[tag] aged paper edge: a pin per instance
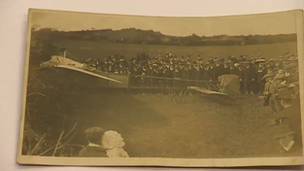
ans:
(174, 162)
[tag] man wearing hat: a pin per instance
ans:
(226, 69)
(248, 78)
(238, 70)
(278, 63)
(211, 59)
(186, 74)
(198, 58)
(94, 148)
(268, 80)
(233, 59)
(218, 68)
(202, 71)
(271, 63)
(260, 73)
(176, 73)
(212, 71)
(241, 59)
(233, 69)
(165, 73)
(196, 74)
(135, 71)
(206, 72)
(280, 87)
(169, 74)
(157, 72)
(209, 72)
(273, 90)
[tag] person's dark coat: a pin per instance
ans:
(167, 73)
(186, 74)
(226, 70)
(234, 71)
(209, 74)
(218, 71)
(92, 152)
(176, 73)
(197, 74)
(261, 72)
(240, 73)
(248, 74)
(202, 73)
(212, 73)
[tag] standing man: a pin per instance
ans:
(278, 63)
(239, 71)
(207, 74)
(212, 72)
(267, 79)
(155, 73)
(202, 71)
(94, 148)
(260, 73)
(176, 73)
(218, 69)
(248, 78)
(198, 59)
(226, 68)
(233, 69)
(197, 72)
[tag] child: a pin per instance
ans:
(113, 143)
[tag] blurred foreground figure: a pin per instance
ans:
(113, 143)
(289, 111)
(291, 116)
(94, 148)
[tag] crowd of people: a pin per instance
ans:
(281, 95)
(162, 69)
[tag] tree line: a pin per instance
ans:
(137, 36)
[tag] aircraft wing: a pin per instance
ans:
(284, 135)
(87, 72)
(205, 91)
(66, 63)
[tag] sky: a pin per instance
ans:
(262, 24)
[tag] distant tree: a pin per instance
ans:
(137, 36)
(42, 45)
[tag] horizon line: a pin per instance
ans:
(100, 29)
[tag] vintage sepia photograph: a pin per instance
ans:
(108, 89)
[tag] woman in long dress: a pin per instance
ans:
(113, 143)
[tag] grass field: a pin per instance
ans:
(153, 126)
(84, 49)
